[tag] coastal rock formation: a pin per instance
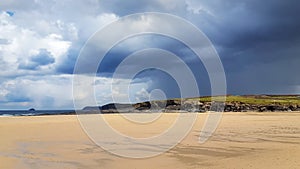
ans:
(191, 105)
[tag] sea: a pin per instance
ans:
(35, 112)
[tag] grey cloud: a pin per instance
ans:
(16, 97)
(43, 58)
(4, 41)
(18, 5)
(28, 66)
(138, 6)
(67, 66)
(247, 34)
(258, 42)
(246, 24)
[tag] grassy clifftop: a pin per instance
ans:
(257, 99)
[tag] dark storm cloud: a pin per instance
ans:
(121, 51)
(258, 42)
(241, 26)
(159, 79)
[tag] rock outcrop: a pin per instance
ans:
(191, 105)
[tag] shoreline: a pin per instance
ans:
(171, 112)
(229, 103)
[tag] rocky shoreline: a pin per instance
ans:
(191, 106)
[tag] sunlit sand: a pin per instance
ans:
(242, 140)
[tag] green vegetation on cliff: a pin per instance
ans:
(257, 99)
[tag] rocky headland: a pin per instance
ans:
(259, 103)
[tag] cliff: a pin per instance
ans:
(256, 103)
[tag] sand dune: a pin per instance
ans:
(242, 140)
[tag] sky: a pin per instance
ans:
(258, 43)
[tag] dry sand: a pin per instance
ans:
(242, 140)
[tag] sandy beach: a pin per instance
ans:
(242, 140)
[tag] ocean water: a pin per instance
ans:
(35, 113)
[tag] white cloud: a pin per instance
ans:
(142, 95)
(24, 43)
(42, 31)
(43, 25)
(42, 92)
(89, 90)
(198, 7)
(55, 91)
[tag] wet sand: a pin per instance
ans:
(242, 140)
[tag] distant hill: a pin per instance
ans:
(257, 103)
